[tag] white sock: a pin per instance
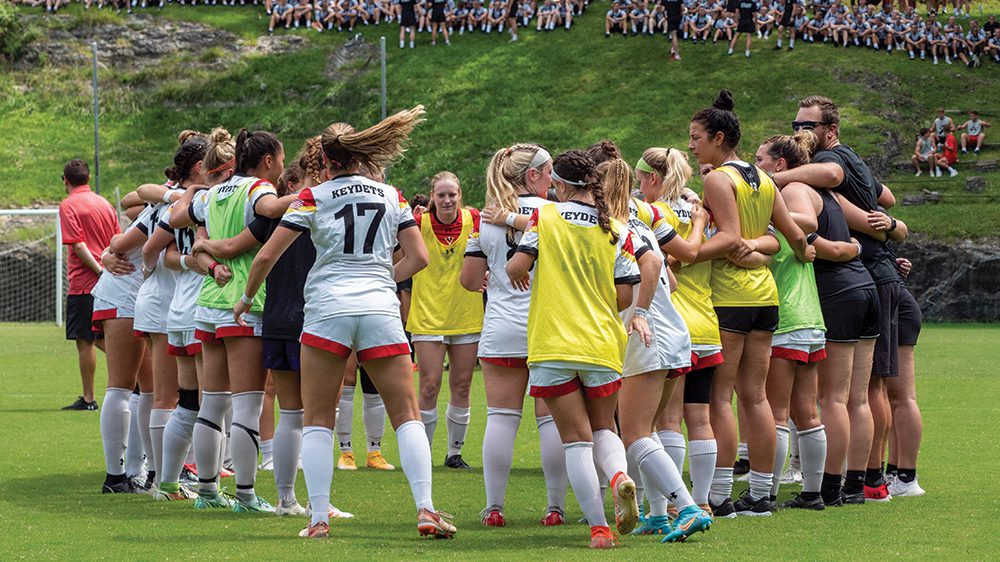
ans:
(553, 462)
(373, 415)
(583, 477)
(176, 444)
(158, 419)
(760, 484)
(673, 443)
(793, 446)
(317, 468)
(779, 42)
(135, 451)
(636, 475)
(415, 458)
(743, 452)
(791, 43)
(115, 419)
(457, 421)
(780, 454)
(659, 471)
(703, 454)
(609, 453)
(244, 440)
(345, 419)
(430, 420)
(266, 451)
(812, 451)
(722, 485)
(498, 451)
(287, 451)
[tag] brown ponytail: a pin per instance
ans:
(578, 167)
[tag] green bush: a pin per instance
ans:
(14, 32)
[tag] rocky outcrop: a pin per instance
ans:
(954, 282)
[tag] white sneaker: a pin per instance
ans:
(952, 172)
(919, 173)
(791, 476)
(900, 489)
(334, 513)
(293, 508)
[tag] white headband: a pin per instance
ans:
(541, 157)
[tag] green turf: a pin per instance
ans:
(51, 470)
(562, 89)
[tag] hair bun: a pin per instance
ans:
(724, 101)
(220, 136)
(172, 173)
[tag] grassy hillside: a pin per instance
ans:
(562, 89)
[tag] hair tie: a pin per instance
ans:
(228, 163)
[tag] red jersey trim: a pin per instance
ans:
(325, 344)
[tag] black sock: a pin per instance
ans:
(854, 483)
(891, 469)
(873, 477)
(810, 495)
(115, 478)
(830, 489)
(907, 474)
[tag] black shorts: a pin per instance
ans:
(408, 18)
(746, 26)
(282, 355)
(674, 23)
(79, 318)
(786, 17)
(367, 386)
(886, 362)
(910, 318)
(745, 319)
(405, 285)
(851, 316)
(617, 28)
(698, 386)
(437, 13)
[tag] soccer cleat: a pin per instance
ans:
(878, 493)
(601, 537)
(492, 516)
(183, 493)
(626, 507)
(346, 461)
(434, 524)
(554, 517)
(377, 461)
(226, 471)
(456, 461)
(266, 464)
(320, 530)
(189, 476)
(691, 520)
(706, 508)
(81, 405)
(900, 489)
(257, 505)
(672, 512)
(755, 508)
(654, 525)
(212, 502)
(126, 486)
(741, 467)
(726, 509)
(852, 498)
(791, 475)
(293, 508)
(799, 502)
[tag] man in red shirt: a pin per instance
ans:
(88, 222)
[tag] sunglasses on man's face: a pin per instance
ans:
(807, 125)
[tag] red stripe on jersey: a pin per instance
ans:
(325, 344)
(185, 351)
(707, 361)
(532, 221)
(657, 215)
(627, 247)
(382, 351)
(206, 337)
(555, 391)
(306, 196)
(234, 332)
(509, 362)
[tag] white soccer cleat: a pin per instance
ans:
(293, 509)
(791, 476)
(900, 489)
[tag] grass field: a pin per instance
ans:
(562, 89)
(51, 470)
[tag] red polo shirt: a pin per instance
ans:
(86, 217)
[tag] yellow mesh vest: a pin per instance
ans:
(736, 286)
(574, 311)
(693, 297)
(440, 305)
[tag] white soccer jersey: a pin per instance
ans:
(353, 222)
(153, 299)
(199, 203)
(120, 290)
(505, 322)
(180, 317)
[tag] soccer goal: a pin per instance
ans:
(32, 266)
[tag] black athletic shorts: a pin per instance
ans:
(282, 355)
(367, 386)
(405, 285)
(698, 386)
(851, 316)
(745, 319)
(886, 362)
(746, 26)
(910, 318)
(80, 317)
(674, 23)
(786, 16)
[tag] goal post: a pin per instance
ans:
(31, 290)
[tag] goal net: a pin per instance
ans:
(32, 266)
